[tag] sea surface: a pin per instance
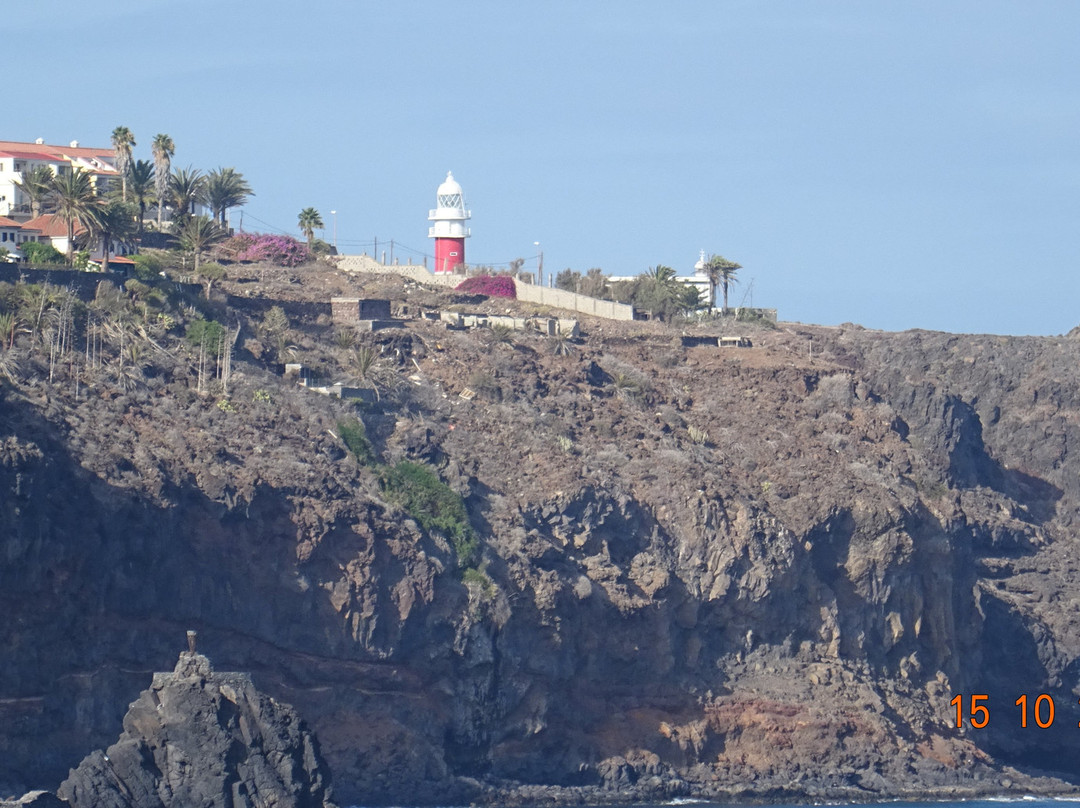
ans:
(1021, 802)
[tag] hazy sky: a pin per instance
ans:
(895, 164)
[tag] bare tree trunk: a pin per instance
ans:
(202, 366)
(229, 341)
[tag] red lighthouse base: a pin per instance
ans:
(449, 252)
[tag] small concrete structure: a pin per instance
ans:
(735, 342)
(548, 326)
(351, 310)
(698, 341)
(716, 342)
(367, 314)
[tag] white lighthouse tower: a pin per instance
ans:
(449, 230)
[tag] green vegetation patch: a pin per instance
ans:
(417, 489)
(478, 577)
(206, 333)
(355, 437)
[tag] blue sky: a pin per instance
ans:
(897, 165)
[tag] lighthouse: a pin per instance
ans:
(448, 228)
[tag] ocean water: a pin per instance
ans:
(1021, 802)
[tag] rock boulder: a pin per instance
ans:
(198, 737)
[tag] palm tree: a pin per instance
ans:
(163, 149)
(122, 141)
(72, 193)
(186, 188)
(142, 187)
(198, 234)
(114, 222)
(36, 184)
(309, 221)
(662, 275)
(226, 188)
(721, 273)
(661, 292)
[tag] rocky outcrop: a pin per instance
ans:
(198, 737)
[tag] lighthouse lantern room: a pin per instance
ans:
(448, 228)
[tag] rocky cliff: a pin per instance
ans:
(758, 572)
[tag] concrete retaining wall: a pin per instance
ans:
(559, 298)
(562, 299)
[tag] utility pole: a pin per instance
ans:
(334, 214)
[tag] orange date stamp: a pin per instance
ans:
(1038, 711)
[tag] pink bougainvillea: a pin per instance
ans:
(490, 285)
(281, 250)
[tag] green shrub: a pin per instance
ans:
(433, 504)
(37, 253)
(147, 267)
(355, 437)
(477, 577)
(206, 332)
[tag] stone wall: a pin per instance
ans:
(528, 292)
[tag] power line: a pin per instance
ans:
(267, 224)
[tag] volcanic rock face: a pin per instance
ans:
(197, 737)
(703, 572)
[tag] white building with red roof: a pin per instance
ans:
(50, 229)
(16, 158)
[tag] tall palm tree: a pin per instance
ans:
(163, 150)
(309, 221)
(186, 188)
(122, 141)
(36, 184)
(73, 197)
(721, 274)
(142, 187)
(659, 291)
(198, 234)
(114, 222)
(226, 188)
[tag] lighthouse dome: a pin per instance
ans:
(450, 186)
(449, 194)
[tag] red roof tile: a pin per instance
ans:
(24, 155)
(51, 225)
(56, 152)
